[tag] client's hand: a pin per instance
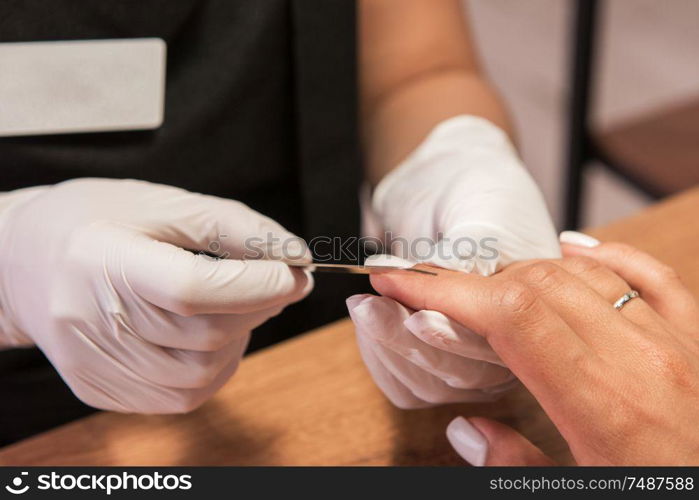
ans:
(622, 386)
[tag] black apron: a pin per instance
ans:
(261, 107)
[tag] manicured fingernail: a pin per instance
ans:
(467, 441)
(579, 239)
(354, 301)
(387, 260)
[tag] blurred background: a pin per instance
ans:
(644, 101)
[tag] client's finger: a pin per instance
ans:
(587, 275)
(612, 287)
(658, 284)
(587, 313)
(481, 441)
(537, 345)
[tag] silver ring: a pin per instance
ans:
(631, 294)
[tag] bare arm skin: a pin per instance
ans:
(417, 68)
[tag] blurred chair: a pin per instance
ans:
(657, 153)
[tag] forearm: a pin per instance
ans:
(417, 68)
(404, 117)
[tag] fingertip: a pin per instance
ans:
(378, 282)
(605, 252)
(359, 314)
(378, 317)
(390, 282)
(384, 280)
(569, 250)
(579, 239)
(484, 425)
(415, 323)
(302, 282)
(387, 260)
(310, 282)
(266, 283)
(354, 301)
(294, 249)
(468, 441)
(418, 291)
(506, 446)
(393, 285)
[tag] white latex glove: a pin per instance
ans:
(464, 183)
(94, 273)
(423, 358)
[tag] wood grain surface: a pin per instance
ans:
(310, 401)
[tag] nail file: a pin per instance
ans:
(316, 267)
(357, 269)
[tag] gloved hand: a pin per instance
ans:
(465, 189)
(423, 358)
(94, 272)
(462, 200)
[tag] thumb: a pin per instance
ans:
(481, 441)
(185, 283)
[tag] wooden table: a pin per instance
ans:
(309, 401)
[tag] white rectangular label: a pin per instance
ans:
(81, 86)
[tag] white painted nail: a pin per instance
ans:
(579, 239)
(387, 260)
(468, 441)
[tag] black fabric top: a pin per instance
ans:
(260, 107)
